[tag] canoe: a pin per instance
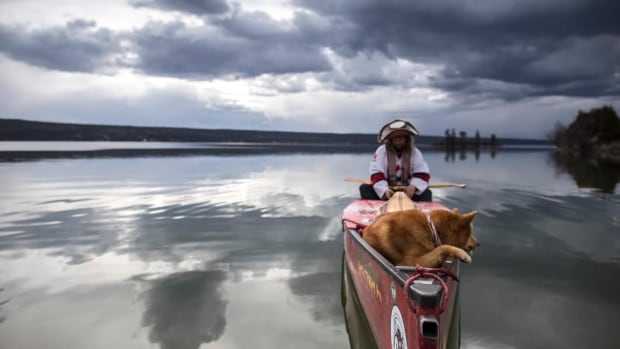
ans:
(404, 306)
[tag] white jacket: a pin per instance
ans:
(418, 168)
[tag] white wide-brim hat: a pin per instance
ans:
(396, 128)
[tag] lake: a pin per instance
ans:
(243, 249)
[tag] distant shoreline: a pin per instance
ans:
(19, 151)
(26, 130)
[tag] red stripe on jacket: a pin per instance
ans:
(375, 177)
(423, 176)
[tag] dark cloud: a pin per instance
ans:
(242, 45)
(546, 46)
(478, 49)
(197, 7)
(237, 48)
(79, 46)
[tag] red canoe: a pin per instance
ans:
(405, 307)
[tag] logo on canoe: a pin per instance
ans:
(368, 273)
(399, 337)
(393, 290)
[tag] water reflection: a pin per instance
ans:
(539, 271)
(185, 310)
(313, 288)
(592, 173)
(192, 231)
(358, 328)
(451, 153)
(122, 249)
(2, 302)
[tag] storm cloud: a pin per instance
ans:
(198, 7)
(511, 49)
(386, 57)
(549, 47)
(235, 47)
(79, 46)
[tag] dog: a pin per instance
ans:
(406, 237)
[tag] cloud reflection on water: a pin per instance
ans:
(185, 310)
(262, 233)
(99, 223)
(540, 269)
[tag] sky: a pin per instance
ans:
(512, 68)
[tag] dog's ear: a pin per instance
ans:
(466, 218)
(455, 210)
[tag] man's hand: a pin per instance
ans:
(410, 190)
(388, 193)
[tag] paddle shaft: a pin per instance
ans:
(402, 187)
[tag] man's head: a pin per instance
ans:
(397, 134)
(396, 128)
(399, 142)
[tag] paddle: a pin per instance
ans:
(399, 187)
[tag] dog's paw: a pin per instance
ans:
(462, 255)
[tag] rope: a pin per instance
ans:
(436, 238)
(422, 272)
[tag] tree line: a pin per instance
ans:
(451, 141)
(594, 133)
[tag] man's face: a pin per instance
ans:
(399, 142)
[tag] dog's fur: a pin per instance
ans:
(405, 237)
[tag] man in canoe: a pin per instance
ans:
(397, 162)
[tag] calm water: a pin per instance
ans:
(245, 251)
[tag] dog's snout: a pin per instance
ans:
(472, 244)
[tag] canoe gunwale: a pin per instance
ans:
(425, 295)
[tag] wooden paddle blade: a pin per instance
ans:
(356, 180)
(447, 185)
(431, 185)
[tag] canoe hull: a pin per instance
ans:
(395, 322)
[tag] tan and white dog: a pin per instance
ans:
(406, 237)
